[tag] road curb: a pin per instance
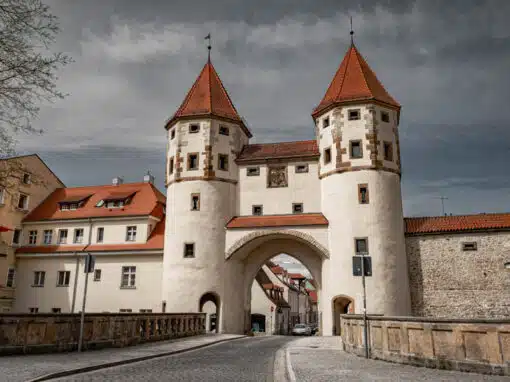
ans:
(87, 369)
(290, 372)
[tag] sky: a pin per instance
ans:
(446, 62)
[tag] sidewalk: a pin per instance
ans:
(35, 367)
(321, 359)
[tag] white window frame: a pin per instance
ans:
(63, 278)
(128, 272)
(39, 278)
(32, 237)
(78, 239)
(46, 236)
(10, 280)
(131, 233)
(100, 229)
(62, 239)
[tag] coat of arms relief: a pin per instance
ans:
(277, 177)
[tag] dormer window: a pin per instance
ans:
(72, 203)
(116, 199)
(224, 130)
(194, 128)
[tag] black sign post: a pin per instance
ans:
(90, 262)
(362, 266)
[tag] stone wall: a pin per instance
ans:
(447, 281)
(466, 345)
(41, 333)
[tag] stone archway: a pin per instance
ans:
(341, 304)
(212, 315)
(248, 254)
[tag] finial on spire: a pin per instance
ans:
(208, 37)
(352, 34)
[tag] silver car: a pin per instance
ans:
(301, 330)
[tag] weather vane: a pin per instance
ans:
(208, 37)
(352, 33)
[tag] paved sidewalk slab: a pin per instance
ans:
(321, 359)
(33, 367)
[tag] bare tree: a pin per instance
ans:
(27, 67)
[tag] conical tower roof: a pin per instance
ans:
(354, 81)
(208, 97)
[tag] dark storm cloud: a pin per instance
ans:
(445, 61)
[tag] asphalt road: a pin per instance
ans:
(247, 359)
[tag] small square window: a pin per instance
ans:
(224, 130)
(194, 128)
(356, 149)
(388, 151)
(172, 134)
(327, 156)
(363, 193)
(256, 210)
(56, 310)
(23, 202)
(253, 171)
(63, 278)
(325, 122)
(193, 161)
(223, 162)
(354, 114)
(26, 178)
(195, 202)
(297, 208)
(97, 274)
(301, 168)
(385, 116)
(171, 166)
(361, 246)
(469, 246)
(33, 310)
(189, 250)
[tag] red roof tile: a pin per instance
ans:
(438, 224)
(296, 276)
(145, 199)
(154, 242)
(277, 220)
(277, 270)
(208, 97)
(279, 150)
(353, 81)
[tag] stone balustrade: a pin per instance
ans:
(481, 346)
(40, 332)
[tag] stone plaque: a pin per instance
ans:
(277, 177)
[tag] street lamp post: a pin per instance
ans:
(300, 280)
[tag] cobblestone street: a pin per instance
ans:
(249, 359)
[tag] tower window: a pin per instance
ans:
(256, 210)
(223, 162)
(189, 250)
(172, 134)
(297, 208)
(301, 168)
(327, 156)
(325, 122)
(195, 202)
(193, 161)
(388, 151)
(361, 246)
(363, 193)
(253, 171)
(356, 149)
(354, 114)
(224, 130)
(171, 166)
(194, 128)
(469, 246)
(385, 116)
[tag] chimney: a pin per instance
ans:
(148, 178)
(117, 181)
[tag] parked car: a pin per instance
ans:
(301, 330)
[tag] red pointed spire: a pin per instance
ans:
(208, 97)
(354, 81)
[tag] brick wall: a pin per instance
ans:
(446, 281)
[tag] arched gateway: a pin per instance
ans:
(254, 249)
(232, 205)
